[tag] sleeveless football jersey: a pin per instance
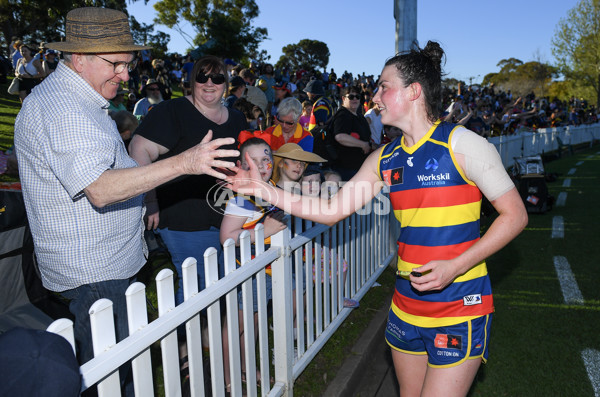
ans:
(438, 209)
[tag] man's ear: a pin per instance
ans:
(414, 91)
(77, 61)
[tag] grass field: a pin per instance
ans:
(537, 340)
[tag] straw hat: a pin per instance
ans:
(96, 30)
(295, 152)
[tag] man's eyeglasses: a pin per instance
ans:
(217, 78)
(290, 123)
(352, 96)
(120, 66)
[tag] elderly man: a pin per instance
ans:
(152, 96)
(83, 193)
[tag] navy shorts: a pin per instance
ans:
(445, 346)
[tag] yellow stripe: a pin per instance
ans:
(430, 322)
(413, 148)
(439, 216)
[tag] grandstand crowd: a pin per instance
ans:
(486, 110)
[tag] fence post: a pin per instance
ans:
(165, 294)
(232, 321)
(137, 318)
(263, 326)
(213, 314)
(103, 338)
(283, 337)
(64, 328)
(248, 316)
(193, 330)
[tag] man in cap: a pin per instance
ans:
(82, 192)
(152, 96)
(322, 109)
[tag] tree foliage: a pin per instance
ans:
(307, 54)
(522, 78)
(35, 21)
(144, 34)
(576, 45)
(222, 27)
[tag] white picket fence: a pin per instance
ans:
(366, 240)
(544, 140)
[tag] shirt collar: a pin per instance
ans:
(81, 86)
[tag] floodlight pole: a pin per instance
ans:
(405, 14)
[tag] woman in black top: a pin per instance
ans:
(182, 210)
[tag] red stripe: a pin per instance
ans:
(443, 197)
(443, 309)
(421, 254)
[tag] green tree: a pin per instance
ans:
(35, 21)
(144, 34)
(576, 45)
(307, 54)
(222, 27)
(522, 78)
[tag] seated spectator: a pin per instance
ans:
(118, 102)
(237, 87)
(50, 62)
(257, 97)
(152, 93)
(373, 117)
(282, 90)
(254, 115)
(305, 116)
(286, 128)
(126, 125)
(390, 133)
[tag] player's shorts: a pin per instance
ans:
(445, 346)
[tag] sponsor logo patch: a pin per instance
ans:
(470, 300)
(447, 341)
(394, 176)
(431, 164)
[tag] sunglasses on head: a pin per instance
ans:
(353, 96)
(216, 78)
(285, 122)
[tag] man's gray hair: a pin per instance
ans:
(290, 106)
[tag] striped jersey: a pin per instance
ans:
(438, 209)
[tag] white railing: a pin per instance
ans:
(543, 140)
(366, 240)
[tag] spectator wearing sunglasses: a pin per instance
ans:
(286, 128)
(351, 133)
(152, 95)
(180, 211)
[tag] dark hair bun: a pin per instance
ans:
(433, 51)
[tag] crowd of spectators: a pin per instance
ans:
(486, 110)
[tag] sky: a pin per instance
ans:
(475, 34)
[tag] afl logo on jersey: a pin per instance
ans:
(394, 176)
(431, 164)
